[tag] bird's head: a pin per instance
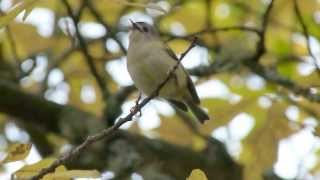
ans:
(142, 30)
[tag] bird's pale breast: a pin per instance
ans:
(149, 65)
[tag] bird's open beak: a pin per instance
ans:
(135, 25)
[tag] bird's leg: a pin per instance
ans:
(137, 102)
(136, 105)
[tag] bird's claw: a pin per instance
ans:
(133, 109)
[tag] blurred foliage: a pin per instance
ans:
(197, 174)
(60, 172)
(22, 44)
(17, 152)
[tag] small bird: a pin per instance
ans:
(149, 62)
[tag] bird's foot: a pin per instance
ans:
(133, 109)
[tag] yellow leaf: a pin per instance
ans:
(17, 152)
(59, 169)
(60, 172)
(74, 174)
(198, 16)
(197, 174)
(6, 19)
(30, 170)
(178, 45)
(23, 35)
(109, 10)
(198, 143)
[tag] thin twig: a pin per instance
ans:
(100, 81)
(110, 131)
(306, 35)
(244, 6)
(261, 47)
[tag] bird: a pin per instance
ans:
(149, 61)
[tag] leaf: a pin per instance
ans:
(59, 169)
(197, 174)
(25, 5)
(198, 143)
(198, 9)
(110, 11)
(23, 35)
(60, 172)
(31, 170)
(74, 174)
(17, 152)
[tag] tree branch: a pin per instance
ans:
(23, 106)
(100, 80)
(110, 131)
(306, 35)
(261, 47)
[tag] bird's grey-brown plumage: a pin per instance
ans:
(149, 62)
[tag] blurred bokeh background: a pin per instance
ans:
(256, 68)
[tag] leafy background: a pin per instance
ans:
(264, 109)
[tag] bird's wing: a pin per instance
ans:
(190, 84)
(178, 104)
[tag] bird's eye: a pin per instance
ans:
(145, 29)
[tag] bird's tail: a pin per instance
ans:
(198, 112)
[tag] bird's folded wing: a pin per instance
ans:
(190, 84)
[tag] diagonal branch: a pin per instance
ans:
(110, 131)
(306, 35)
